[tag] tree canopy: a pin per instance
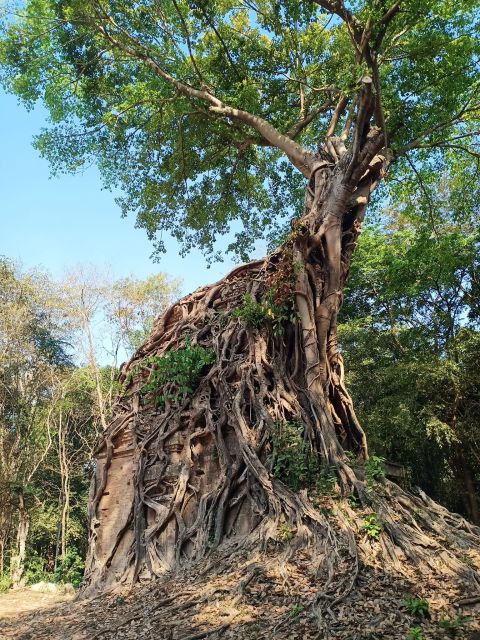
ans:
(202, 111)
(410, 326)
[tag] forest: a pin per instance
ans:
(299, 441)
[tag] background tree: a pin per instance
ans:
(207, 115)
(410, 327)
(107, 318)
(49, 411)
(31, 350)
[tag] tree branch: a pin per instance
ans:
(299, 126)
(211, 24)
(339, 109)
(189, 44)
(386, 20)
(300, 157)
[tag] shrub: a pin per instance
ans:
(70, 568)
(416, 606)
(270, 309)
(5, 582)
(252, 312)
(374, 469)
(372, 526)
(296, 610)
(285, 533)
(34, 567)
(454, 626)
(294, 463)
(180, 370)
(415, 633)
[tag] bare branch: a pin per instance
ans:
(338, 8)
(339, 109)
(299, 126)
(456, 118)
(363, 116)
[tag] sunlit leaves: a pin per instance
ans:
(182, 168)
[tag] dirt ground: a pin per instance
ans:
(20, 601)
(263, 596)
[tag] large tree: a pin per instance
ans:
(410, 326)
(238, 114)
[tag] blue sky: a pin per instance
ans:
(60, 222)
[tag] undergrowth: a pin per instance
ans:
(294, 463)
(270, 309)
(372, 526)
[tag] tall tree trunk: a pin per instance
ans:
(18, 559)
(58, 538)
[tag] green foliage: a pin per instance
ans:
(70, 568)
(251, 311)
(35, 567)
(179, 371)
(416, 606)
(415, 633)
(325, 480)
(5, 582)
(256, 314)
(50, 413)
(454, 626)
(410, 327)
(188, 170)
(296, 610)
(285, 533)
(294, 463)
(372, 526)
(374, 470)
(354, 501)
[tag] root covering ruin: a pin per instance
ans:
(186, 487)
(282, 592)
(234, 430)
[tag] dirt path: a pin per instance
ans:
(14, 603)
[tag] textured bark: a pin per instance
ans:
(172, 485)
(18, 560)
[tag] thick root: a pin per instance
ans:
(194, 477)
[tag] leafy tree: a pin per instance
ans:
(49, 415)
(411, 327)
(107, 318)
(210, 115)
(134, 304)
(31, 350)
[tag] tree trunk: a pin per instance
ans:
(18, 559)
(466, 481)
(174, 483)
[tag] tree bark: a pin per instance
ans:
(18, 560)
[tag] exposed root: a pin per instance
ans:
(194, 476)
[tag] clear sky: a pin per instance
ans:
(60, 222)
